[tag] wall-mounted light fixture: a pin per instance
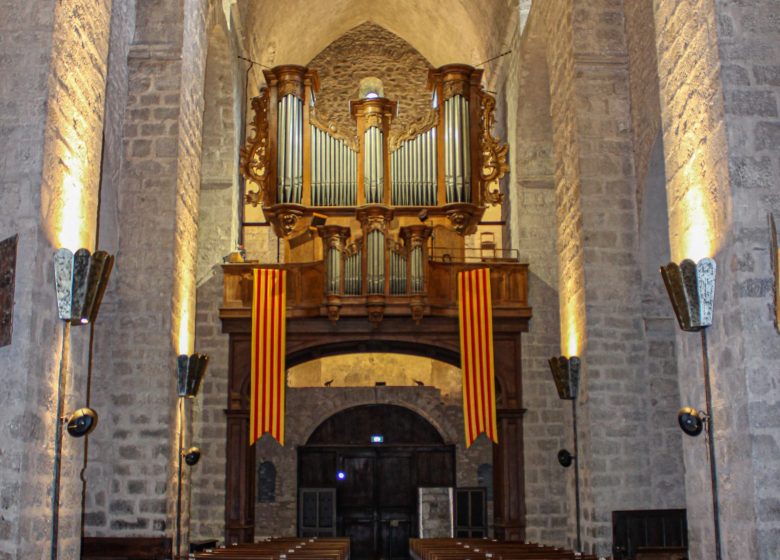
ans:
(189, 376)
(691, 288)
(192, 456)
(80, 281)
(189, 373)
(82, 422)
(566, 375)
(691, 420)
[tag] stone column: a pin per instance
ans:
(599, 278)
(719, 90)
(156, 197)
(51, 117)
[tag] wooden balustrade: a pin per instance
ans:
(308, 296)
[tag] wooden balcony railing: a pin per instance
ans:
(308, 294)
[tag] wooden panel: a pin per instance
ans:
(316, 468)
(435, 467)
(126, 548)
(357, 489)
(306, 291)
(396, 489)
(635, 529)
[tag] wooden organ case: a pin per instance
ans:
(376, 224)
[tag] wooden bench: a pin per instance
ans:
(283, 547)
(473, 549)
(126, 548)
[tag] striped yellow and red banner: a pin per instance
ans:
(475, 310)
(269, 311)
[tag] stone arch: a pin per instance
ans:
(347, 414)
(435, 416)
(426, 30)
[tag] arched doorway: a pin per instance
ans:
(358, 476)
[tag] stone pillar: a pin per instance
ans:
(719, 90)
(51, 117)
(599, 273)
(156, 199)
(529, 210)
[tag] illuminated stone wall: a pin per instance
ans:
(749, 47)
(51, 112)
(719, 91)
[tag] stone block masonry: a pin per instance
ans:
(51, 113)
(156, 200)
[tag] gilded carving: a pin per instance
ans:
(325, 124)
(288, 221)
(287, 87)
(463, 218)
(453, 88)
(376, 222)
(373, 119)
(414, 129)
(494, 165)
(254, 155)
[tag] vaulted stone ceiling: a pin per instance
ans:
(444, 31)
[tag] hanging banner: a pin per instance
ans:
(269, 310)
(475, 313)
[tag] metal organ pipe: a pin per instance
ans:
(414, 171)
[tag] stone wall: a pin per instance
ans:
(529, 209)
(749, 48)
(135, 454)
(51, 113)
(369, 50)
(643, 78)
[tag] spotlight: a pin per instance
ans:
(691, 288)
(691, 420)
(565, 459)
(423, 215)
(82, 422)
(189, 373)
(341, 475)
(192, 456)
(80, 280)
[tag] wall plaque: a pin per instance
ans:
(7, 282)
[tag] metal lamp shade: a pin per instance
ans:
(189, 372)
(566, 375)
(80, 282)
(691, 288)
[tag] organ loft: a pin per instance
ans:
(409, 279)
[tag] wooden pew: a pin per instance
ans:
(291, 548)
(473, 549)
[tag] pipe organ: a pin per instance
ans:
(385, 192)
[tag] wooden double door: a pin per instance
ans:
(375, 490)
